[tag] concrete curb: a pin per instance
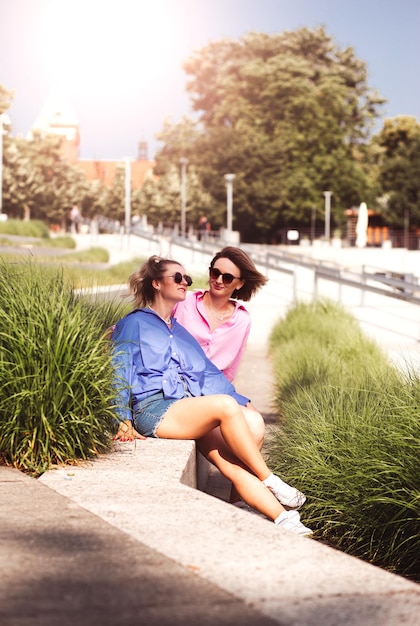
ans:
(142, 490)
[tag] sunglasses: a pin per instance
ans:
(178, 278)
(226, 278)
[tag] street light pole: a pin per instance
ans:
(127, 195)
(313, 219)
(4, 120)
(327, 195)
(184, 162)
(229, 199)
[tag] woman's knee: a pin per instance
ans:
(225, 405)
(256, 425)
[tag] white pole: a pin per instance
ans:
(184, 162)
(229, 199)
(4, 120)
(1, 163)
(327, 195)
(127, 195)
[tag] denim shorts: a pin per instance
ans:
(150, 412)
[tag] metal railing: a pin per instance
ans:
(399, 286)
(396, 285)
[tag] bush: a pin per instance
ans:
(56, 398)
(32, 228)
(66, 242)
(90, 255)
(348, 436)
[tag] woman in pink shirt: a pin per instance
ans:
(214, 317)
(221, 325)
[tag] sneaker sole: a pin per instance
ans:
(289, 503)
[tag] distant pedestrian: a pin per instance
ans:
(75, 218)
(204, 228)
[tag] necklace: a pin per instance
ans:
(219, 317)
(168, 322)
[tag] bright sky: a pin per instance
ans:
(120, 61)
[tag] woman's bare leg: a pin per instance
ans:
(192, 418)
(215, 449)
(247, 486)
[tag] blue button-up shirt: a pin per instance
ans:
(150, 357)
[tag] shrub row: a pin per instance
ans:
(348, 435)
(56, 397)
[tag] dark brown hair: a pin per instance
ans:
(140, 282)
(253, 279)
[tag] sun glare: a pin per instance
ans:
(98, 46)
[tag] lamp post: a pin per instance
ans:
(4, 121)
(327, 195)
(183, 162)
(127, 195)
(229, 199)
(313, 218)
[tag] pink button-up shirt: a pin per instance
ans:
(225, 345)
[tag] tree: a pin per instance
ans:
(290, 114)
(115, 196)
(398, 163)
(160, 198)
(39, 183)
(6, 98)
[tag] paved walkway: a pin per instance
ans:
(125, 540)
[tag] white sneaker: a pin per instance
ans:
(291, 521)
(287, 495)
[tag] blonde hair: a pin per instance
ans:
(140, 282)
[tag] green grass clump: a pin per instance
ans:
(83, 277)
(31, 228)
(87, 278)
(66, 242)
(56, 397)
(348, 436)
(90, 255)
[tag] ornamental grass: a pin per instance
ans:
(56, 399)
(348, 435)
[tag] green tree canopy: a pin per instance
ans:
(399, 169)
(6, 98)
(38, 182)
(160, 198)
(290, 114)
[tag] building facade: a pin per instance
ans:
(58, 118)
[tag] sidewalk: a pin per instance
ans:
(127, 540)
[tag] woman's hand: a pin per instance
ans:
(126, 432)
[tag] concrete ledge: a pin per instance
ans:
(146, 490)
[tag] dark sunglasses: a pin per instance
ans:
(178, 278)
(226, 278)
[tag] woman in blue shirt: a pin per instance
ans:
(168, 388)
